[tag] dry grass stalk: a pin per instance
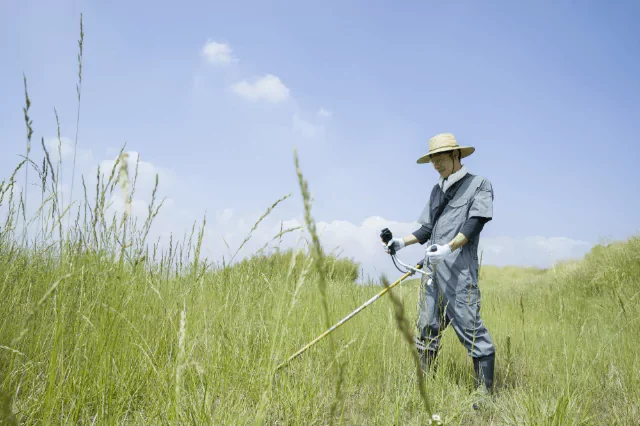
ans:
(180, 362)
(403, 325)
(318, 256)
(28, 123)
(123, 180)
(79, 92)
(255, 226)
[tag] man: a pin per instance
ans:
(452, 294)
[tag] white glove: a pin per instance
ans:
(396, 243)
(440, 253)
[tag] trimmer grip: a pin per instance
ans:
(386, 236)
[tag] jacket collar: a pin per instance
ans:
(453, 178)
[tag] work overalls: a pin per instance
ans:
(453, 296)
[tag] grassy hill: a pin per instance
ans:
(91, 333)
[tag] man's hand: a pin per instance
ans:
(459, 241)
(437, 252)
(396, 243)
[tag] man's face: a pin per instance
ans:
(443, 163)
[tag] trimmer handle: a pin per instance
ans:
(386, 236)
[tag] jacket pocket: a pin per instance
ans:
(459, 202)
(467, 290)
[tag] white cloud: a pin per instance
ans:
(146, 174)
(59, 148)
(303, 127)
(224, 217)
(63, 149)
(324, 113)
(314, 126)
(358, 241)
(361, 242)
(215, 52)
(86, 167)
(537, 251)
(267, 88)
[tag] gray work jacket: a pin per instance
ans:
(459, 270)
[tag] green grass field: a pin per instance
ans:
(99, 327)
(90, 333)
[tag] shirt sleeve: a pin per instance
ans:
(482, 201)
(423, 234)
(473, 226)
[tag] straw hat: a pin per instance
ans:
(444, 142)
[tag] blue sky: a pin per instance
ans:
(547, 92)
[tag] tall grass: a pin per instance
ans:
(101, 326)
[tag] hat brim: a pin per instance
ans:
(465, 152)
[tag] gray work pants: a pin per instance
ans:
(440, 306)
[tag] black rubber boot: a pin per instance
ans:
(484, 367)
(427, 357)
(428, 361)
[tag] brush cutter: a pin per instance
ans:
(386, 237)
